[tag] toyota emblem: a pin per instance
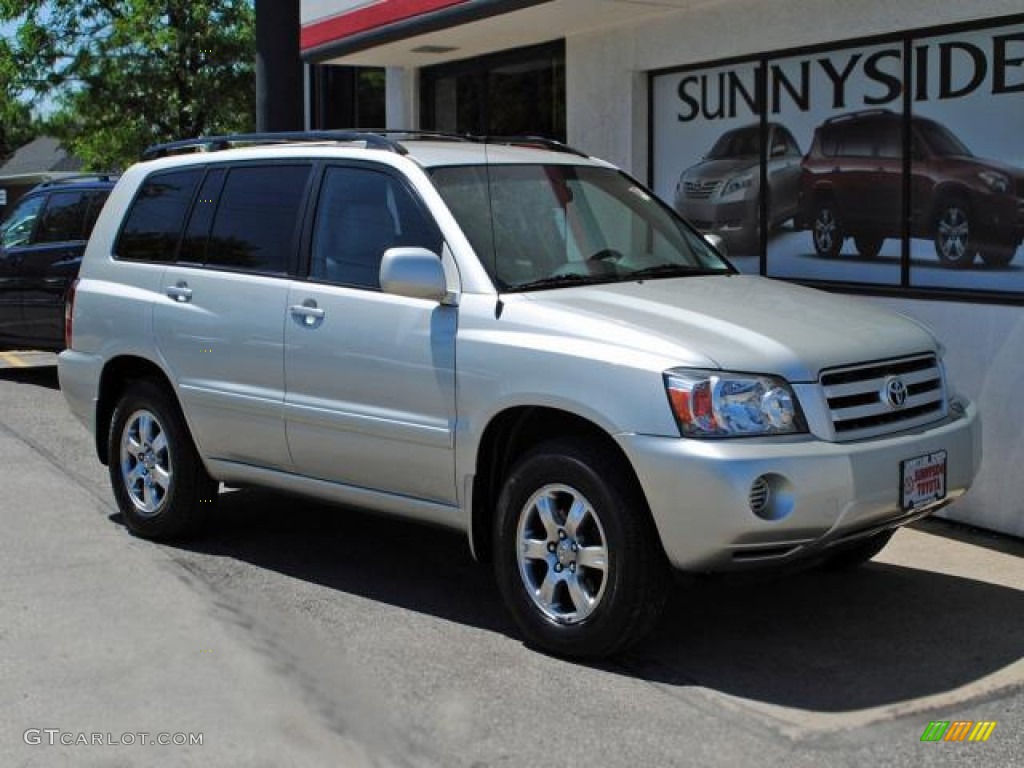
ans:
(894, 393)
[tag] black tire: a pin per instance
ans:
(953, 244)
(868, 246)
(827, 229)
(998, 255)
(857, 554)
(628, 594)
(160, 506)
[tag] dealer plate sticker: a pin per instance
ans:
(923, 480)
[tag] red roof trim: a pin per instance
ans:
(379, 14)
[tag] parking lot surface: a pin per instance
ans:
(294, 633)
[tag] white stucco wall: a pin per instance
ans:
(606, 86)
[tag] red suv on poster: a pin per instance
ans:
(852, 182)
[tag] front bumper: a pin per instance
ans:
(699, 490)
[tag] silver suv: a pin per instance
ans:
(510, 339)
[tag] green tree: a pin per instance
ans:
(17, 126)
(124, 74)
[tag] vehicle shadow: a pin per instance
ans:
(421, 568)
(36, 376)
(821, 641)
(834, 641)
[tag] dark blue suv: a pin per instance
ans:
(41, 244)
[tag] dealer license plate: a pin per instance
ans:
(923, 480)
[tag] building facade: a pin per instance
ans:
(865, 147)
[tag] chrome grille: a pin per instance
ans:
(700, 189)
(860, 403)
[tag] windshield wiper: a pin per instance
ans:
(569, 278)
(674, 270)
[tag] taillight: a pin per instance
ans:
(69, 312)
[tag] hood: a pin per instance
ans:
(735, 323)
(980, 164)
(721, 168)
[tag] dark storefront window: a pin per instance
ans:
(503, 94)
(348, 97)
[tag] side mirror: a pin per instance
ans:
(413, 272)
(718, 243)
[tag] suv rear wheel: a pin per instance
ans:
(998, 255)
(953, 234)
(868, 246)
(827, 230)
(161, 486)
(577, 558)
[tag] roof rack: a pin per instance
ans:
(536, 142)
(861, 113)
(78, 178)
(383, 139)
(372, 140)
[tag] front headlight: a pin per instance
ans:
(738, 184)
(997, 181)
(720, 404)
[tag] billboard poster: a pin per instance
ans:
(967, 161)
(707, 139)
(823, 143)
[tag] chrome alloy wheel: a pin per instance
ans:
(953, 234)
(145, 462)
(562, 554)
(825, 230)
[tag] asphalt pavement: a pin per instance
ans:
(298, 634)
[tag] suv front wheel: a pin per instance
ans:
(827, 230)
(953, 234)
(161, 486)
(577, 558)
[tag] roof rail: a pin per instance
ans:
(384, 139)
(537, 142)
(371, 139)
(78, 178)
(861, 113)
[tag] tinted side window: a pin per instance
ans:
(96, 200)
(889, 138)
(360, 214)
(197, 233)
(856, 139)
(64, 218)
(254, 225)
(153, 225)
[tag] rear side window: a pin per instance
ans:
(255, 222)
(153, 225)
(65, 217)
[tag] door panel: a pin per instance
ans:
(220, 335)
(15, 238)
(370, 377)
(370, 395)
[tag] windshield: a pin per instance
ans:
(544, 226)
(742, 141)
(941, 141)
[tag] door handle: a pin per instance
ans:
(180, 292)
(308, 312)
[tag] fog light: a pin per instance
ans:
(770, 497)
